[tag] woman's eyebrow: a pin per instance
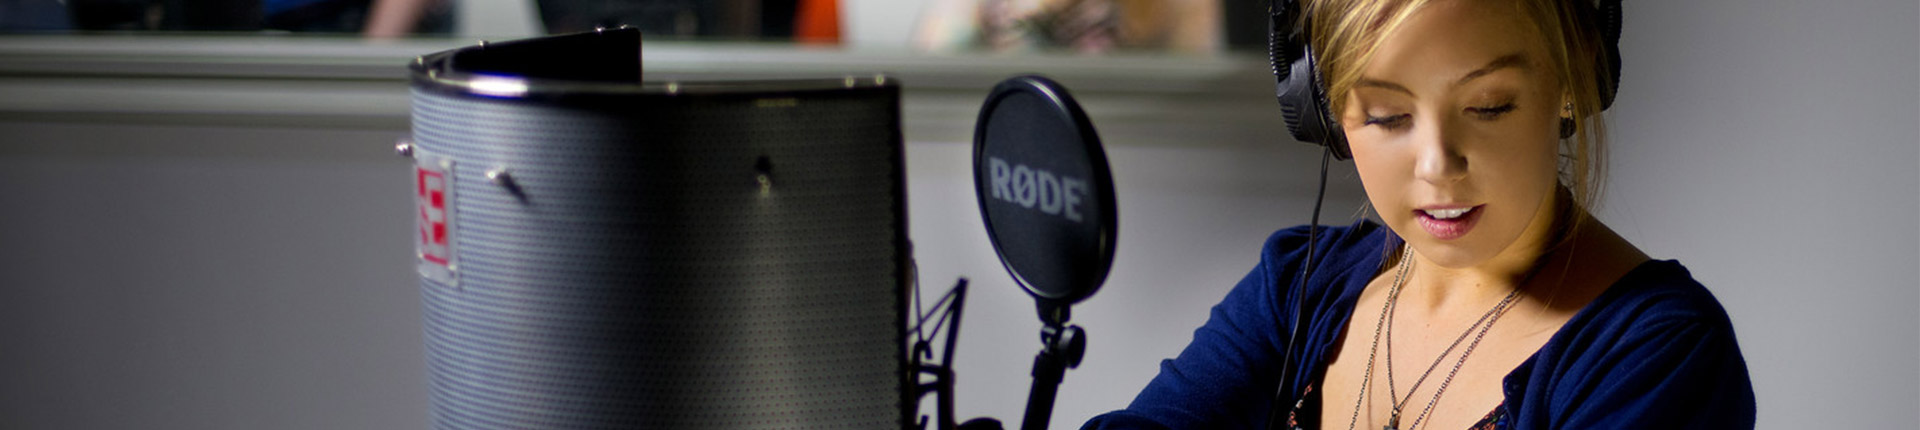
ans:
(1515, 60)
(1376, 83)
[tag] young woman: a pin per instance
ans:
(1486, 296)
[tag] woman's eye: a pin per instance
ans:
(1393, 122)
(1491, 112)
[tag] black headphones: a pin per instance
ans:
(1304, 107)
(1303, 95)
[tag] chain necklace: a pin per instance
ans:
(1366, 380)
(1483, 324)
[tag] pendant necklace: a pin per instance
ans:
(1483, 324)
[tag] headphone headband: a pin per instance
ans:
(1303, 95)
(1608, 18)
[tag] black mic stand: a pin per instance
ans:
(945, 314)
(1062, 346)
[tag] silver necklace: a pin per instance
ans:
(1366, 380)
(1483, 324)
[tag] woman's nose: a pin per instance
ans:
(1438, 158)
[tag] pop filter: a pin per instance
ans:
(1045, 191)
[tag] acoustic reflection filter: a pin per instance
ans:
(598, 252)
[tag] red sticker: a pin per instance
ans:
(433, 202)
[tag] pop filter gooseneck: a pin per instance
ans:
(1046, 195)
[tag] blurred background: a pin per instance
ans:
(203, 224)
(1082, 26)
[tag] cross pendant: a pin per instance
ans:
(1393, 422)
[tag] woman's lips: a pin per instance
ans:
(1451, 228)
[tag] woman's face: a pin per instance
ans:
(1454, 126)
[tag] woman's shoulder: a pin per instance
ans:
(1656, 302)
(1331, 245)
(1344, 258)
(1297, 235)
(1656, 347)
(1620, 292)
(1654, 294)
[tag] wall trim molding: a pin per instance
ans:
(330, 82)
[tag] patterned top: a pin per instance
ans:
(1302, 416)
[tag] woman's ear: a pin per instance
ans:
(1567, 126)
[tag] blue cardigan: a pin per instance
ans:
(1655, 351)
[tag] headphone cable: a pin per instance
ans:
(1298, 293)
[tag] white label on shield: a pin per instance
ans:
(433, 201)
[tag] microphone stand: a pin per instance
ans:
(945, 315)
(1062, 347)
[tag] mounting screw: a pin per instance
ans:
(763, 175)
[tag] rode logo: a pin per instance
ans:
(433, 203)
(1037, 189)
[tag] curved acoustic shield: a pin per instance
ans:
(602, 252)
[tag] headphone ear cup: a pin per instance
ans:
(1608, 18)
(1331, 134)
(1302, 97)
(1303, 103)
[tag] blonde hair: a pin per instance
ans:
(1346, 33)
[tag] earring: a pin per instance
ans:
(1567, 127)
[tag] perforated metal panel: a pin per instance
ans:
(727, 260)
